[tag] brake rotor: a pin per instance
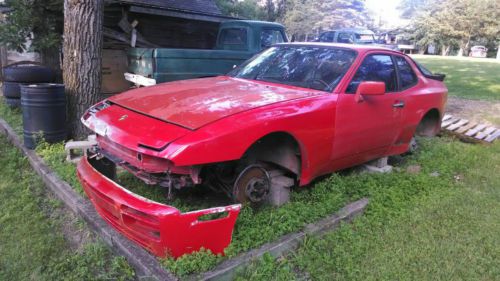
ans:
(252, 185)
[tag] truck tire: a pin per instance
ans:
(28, 74)
(11, 90)
(12, 102)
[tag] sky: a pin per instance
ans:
(386, 11)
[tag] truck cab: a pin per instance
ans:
(236, 42)
(348, 36)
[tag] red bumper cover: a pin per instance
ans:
(161, 229)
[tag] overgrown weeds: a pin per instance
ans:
(32, 244)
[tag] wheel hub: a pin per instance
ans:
(253, 184)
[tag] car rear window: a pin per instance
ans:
(318, 68)
(427, 73)
(407, 78)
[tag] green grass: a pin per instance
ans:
(470, 78)
(13, 116)
(416, 227)
(32, 246)
(399, 204)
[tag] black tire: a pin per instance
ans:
(28, 74)
(11, 90)
(13, 102)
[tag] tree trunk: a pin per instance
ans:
(3, 59)
(83, 22)
(445, 50)
(422, 50)
(52, 59)
(463, 47)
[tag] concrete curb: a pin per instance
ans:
(227, 269)
(146, 265)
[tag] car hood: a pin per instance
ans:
(197, 102)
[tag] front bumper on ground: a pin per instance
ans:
(161, 229)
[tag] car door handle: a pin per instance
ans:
(399, 104)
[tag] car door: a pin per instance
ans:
(365, 130)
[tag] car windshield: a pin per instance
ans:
(318, 68)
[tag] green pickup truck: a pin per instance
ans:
(237, 41)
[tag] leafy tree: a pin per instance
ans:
(247, 9)
(409, 8)
(300, 17)
(457, 23)
(341, 13)
(268, 10)
(39, 21)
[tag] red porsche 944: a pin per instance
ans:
(288, 115)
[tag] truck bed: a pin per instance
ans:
(164, 65)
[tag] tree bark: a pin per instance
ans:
(83, 22)
(3, 59)
(52, 59)
(445, 50)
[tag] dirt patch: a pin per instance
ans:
(485, 112)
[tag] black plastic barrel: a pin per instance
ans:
(44, 113)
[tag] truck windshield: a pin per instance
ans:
(318, 68)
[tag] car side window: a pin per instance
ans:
(327, 37)
(375, 68)
(407, 76)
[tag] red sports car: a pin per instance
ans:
(288, 115)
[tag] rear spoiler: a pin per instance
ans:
(427, 73)
(436, 76)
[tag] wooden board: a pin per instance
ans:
(469, 131)
(483, 134)
(457, 125)
(446, 117)
(475, 130)
(493, 136)
(448, 122)
(466, 127)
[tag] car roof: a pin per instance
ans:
(359, 48)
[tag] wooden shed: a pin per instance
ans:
(154, 23)
(166, 23)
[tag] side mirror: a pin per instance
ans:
(369, 88)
